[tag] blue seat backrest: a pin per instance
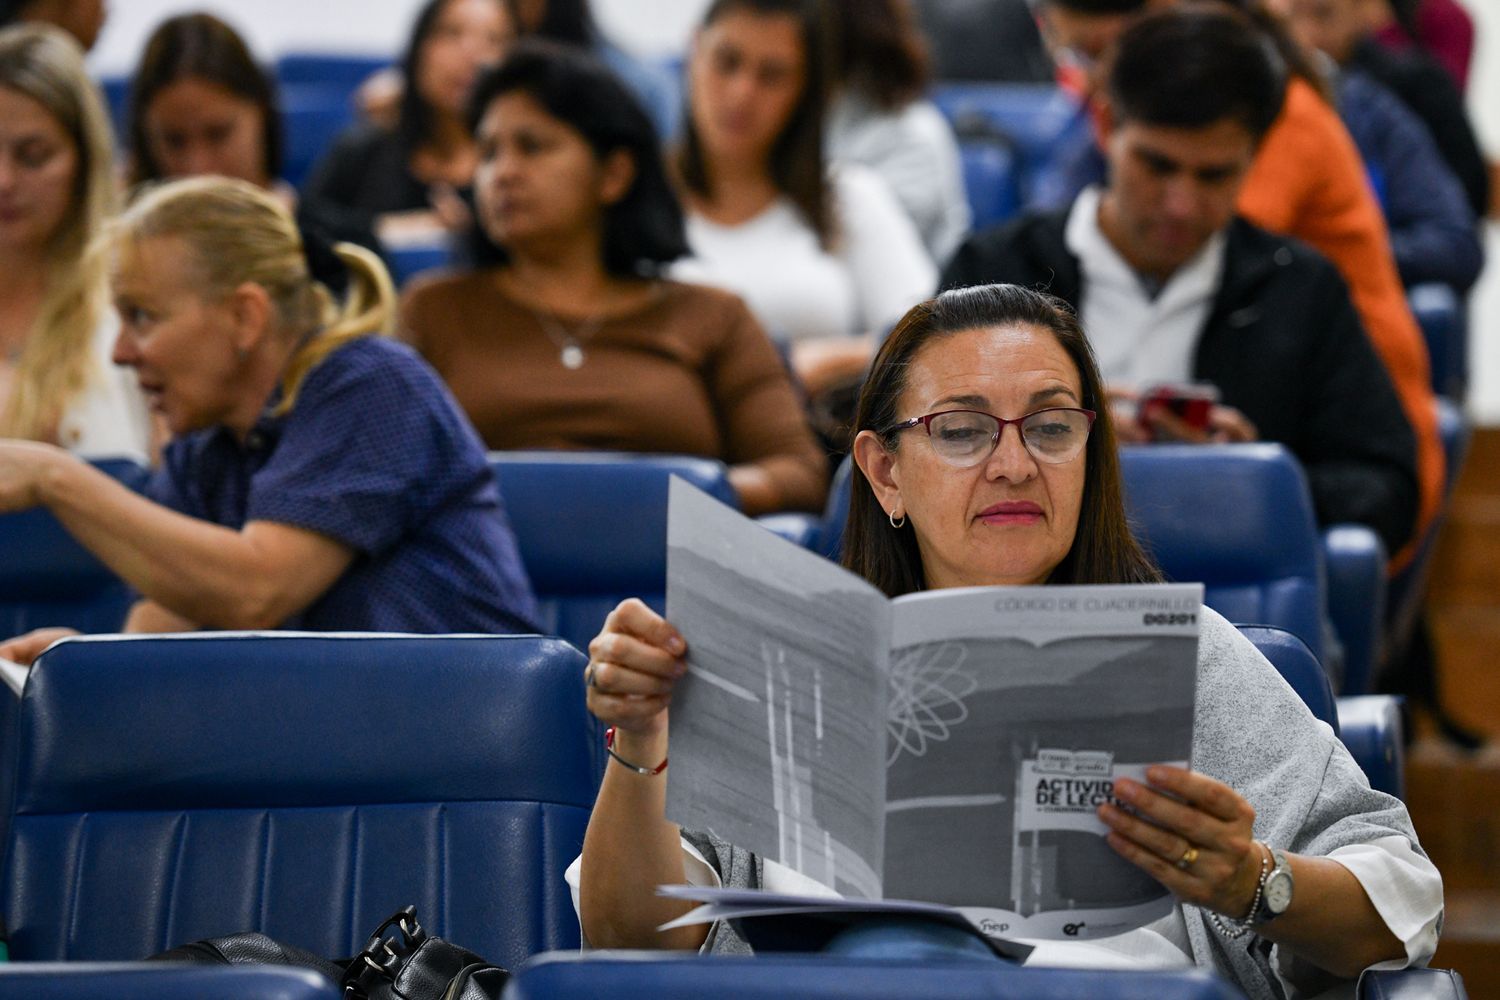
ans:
(826, 977)
(592, 528)
(991, 181)
(116, 92)
(1298, 667)
(1439, 312)
(312, 116)
(1040, 120)
(160, 981)
(170, 789)
(1408, 587)
(406, 262)
(46, 578)
(830, 538)
(1238, 518)
(336, 70)
(316, 93)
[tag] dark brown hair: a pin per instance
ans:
(797, 168)
(879, 51)
(1273, 28)
(416, 119)
(643, 230)
(203, 47)
(1104, 550)
(1190, 67)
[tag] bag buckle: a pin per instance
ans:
(382, 954)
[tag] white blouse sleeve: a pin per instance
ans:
(882, 250)
(1407, 892)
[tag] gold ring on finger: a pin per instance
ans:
(1188, 857)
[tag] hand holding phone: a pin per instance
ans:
(1184, 404)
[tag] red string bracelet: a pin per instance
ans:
(609, 745)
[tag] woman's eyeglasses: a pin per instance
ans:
(965, 438)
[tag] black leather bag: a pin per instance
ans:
(400, 961)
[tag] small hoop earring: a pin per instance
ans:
(895, 523)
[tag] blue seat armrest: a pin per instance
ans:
(160, 981)
(1412, 984)
(799, 529)
(1371, 727)
(1355, 559)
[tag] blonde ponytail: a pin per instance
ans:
(369, 308)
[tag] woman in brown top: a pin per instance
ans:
(569, 339)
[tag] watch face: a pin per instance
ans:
(1278, 892)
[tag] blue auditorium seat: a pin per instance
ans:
(827, 977)
(316, 92)
(1297, 665)
(1239, 518)
(1041, 122)
(335, 70)
(1440, 313)
(1409, 587)
(830, 537)
(170, 789)
(1355, 564)
(592, 528)
(159, 981)
(1412, 984)
(991, 181)
(116, 91)
(412, 259)
(312, 116)
(1371, 727)
(46, 578)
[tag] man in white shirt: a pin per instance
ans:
(1173, 287)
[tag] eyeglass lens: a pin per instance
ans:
(966, 438)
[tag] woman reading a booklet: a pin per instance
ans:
(984, 457)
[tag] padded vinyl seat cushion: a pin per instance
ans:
(306, 786)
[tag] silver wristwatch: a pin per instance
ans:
(1276, 891)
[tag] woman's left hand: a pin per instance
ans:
(1192, 834)
(22, 466)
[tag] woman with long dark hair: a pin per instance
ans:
(824, 258)
(201, 104)
(985, 456)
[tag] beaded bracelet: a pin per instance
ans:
(609, 746)
(1243, 925)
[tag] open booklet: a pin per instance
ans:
(950, 746)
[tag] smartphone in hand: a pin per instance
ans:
(1189, 402)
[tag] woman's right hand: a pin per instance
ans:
(24, 649)
(634, 664)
